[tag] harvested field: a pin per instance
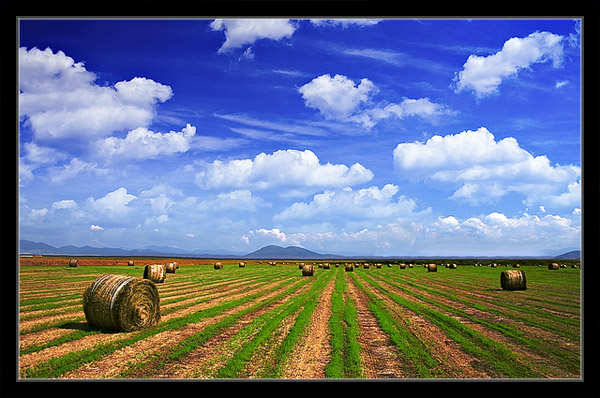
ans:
(264, 321)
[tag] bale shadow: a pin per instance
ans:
(86, 327)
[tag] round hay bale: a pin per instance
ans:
(378, 265)
(366, 266)
(320, 265)
(242, 264)
(410, 265)
(119, 302)
(574, 266)
(155, 272)
(73, 262)
(553, 266)
(517, 266)
(308, 270)
(563, 266)
(218, 265)
(349, 267)
(452, 266)
(130, 263)
(176, 265)
(402, 266)
(170, 268)
(389, 265)
(432, 268)
(326, 266)
(337, 265)
(513, 280)
(300, 265)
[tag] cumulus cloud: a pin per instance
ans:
(76, 166)
(240, 32)
(59, 98)
(142, 143)
(561, 83)
(339, 98)
(113, 204)
(483, 75)
(96, 228)
(366, 203)
(282, 168)
(64, 204)
(488, 169)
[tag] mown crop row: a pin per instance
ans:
(265, 321)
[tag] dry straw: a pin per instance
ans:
(155, 272)
(513, 280)
(119, 302)
(432, 268)
(242, 264)
(170, 268)
(73, 262)
(308, 270)
(218, 265)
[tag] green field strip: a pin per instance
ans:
(51, 312)
(541, 346)
(175, 296)
(498, 358)
(56, 366)
(301, 324)
(42, 304)
(238, 362)
(416, 354)
(187, 345)
(532, 317)
(345, 361)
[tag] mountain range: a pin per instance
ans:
(268, 252)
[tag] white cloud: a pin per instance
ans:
(73, 168)
(239, 32)
(113, 204)
(561, 83)
(367, 203)
(336, 97)
(339, 98)
(42, 155)
(488, 169)
(271, 233)
(345, 22)
(142, 143)
(64, 204)
(96, 228)
(59, 99)
(483, 75)
(282, 168)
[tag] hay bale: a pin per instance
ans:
(308, 270)
(553, 266)
(378, 265)
(242, 264)
(155, 272)
(389, 265)
(431, 267)
(403, 266)
(176, 265)
(300, 265)
(349, 267)
(574, 266)
(119, 302)
(218, 265)
(73, 262)
(563, 266)
(326, 266)
(366, 266)
(452, 266)
(337, 265)
(513, 280)
(130, 263)
(170, 268)
(517, 266)
(410, 265)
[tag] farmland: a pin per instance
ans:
(269, 321)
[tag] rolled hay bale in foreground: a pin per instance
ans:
(349, 267)
(130, 263)
(431, 267)
(155, 272)
(170, 268)
(513, 280)
(119, 302)
(553, 266)
(242, 264)
(308, 270)
(73, 262)
(218, 265)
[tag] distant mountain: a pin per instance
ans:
(290, 252)
(572, 255)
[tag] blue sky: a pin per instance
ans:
(368, 137)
